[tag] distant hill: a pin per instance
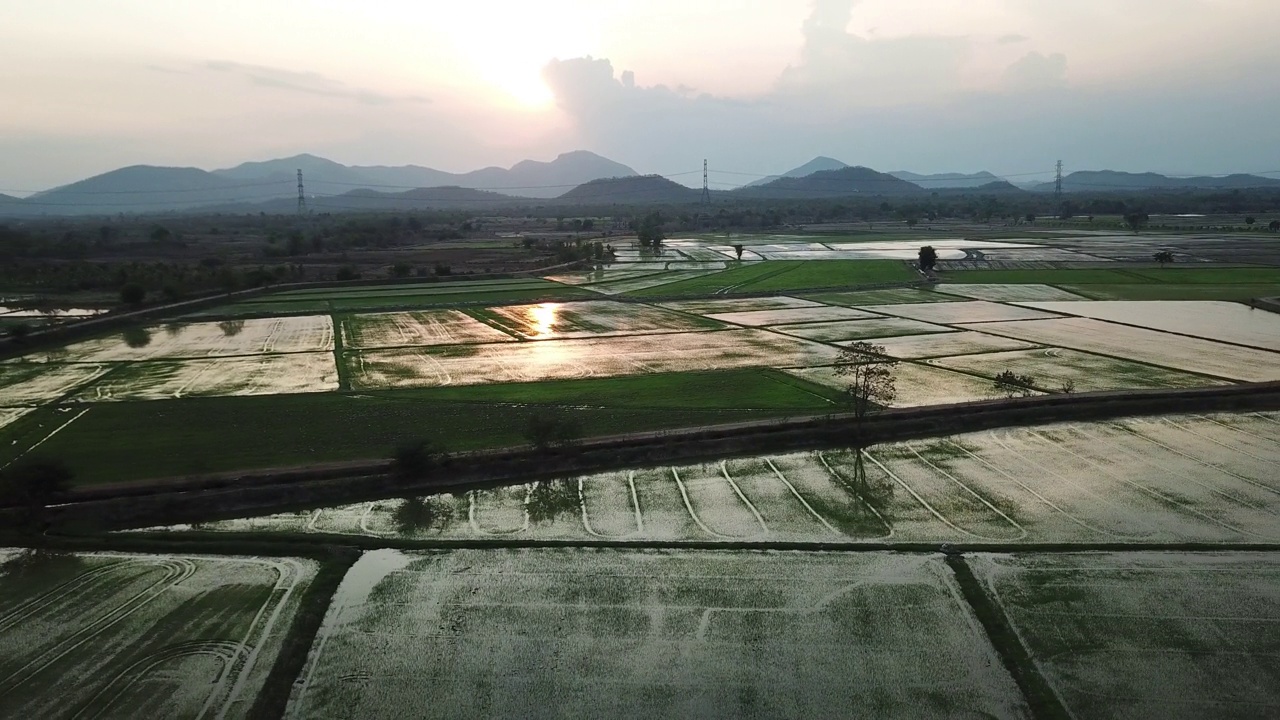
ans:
(631, 190)
(528, 178)
(938, 181)
(818, 164)
(365, 200)
(832, 183)
(145, 188)
(1113, 180)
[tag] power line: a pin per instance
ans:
(302, 196)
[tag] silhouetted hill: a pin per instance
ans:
(365, 200)
(631, 190)
(833, 183)
(818, 164)
(938, 181)
(146, 188)
(528, 178)
(1113, 180)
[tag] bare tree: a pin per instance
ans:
(869, 370)
(1163, 257)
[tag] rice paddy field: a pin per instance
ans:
(1124, 568)
(1147, 635)
(115, 635)
(953, 337)
(582, 633)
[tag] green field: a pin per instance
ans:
(787, 275)
(203, 435)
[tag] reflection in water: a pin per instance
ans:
(136, 337)
(417, 515)
(542, 319)
(871, 511)
(231, 328)
(551, 498)
(174, 329)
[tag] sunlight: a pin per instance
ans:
(527, 90)
(543, 319)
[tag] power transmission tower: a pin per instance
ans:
(706, 188)
(302, 196)
(1057, 185)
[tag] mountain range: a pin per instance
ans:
(574, 178)
(1114, 181)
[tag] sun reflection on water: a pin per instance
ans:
(542, 320)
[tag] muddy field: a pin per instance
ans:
(107, 635)
(583, 633)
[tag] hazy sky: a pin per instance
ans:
(755, 86)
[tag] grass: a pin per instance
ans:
(132, 441)
(787, 275)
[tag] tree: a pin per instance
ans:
(1250, 220)
(1274, 226)
(1136, 220)
(738, 249)
(650, 231)
(869, 371)
(1163, 257)
(30, 486)
(413, 460)
(928, 258)
(1011, 384)
(912, 221)
(132, 294)
(1031, 218)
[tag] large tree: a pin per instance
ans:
(869, 372)
(928, 258)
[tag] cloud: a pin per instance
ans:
(847, 69)
(1037, 72)
(1011, 39)
(306, 82)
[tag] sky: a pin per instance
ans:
(754, 86)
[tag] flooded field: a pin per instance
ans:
(1172, 479)
(429, 327)
(822, 313)
(1224, 321)
(859, 329)
(549, 321)
(576, 358)
(300, 333)
(248, 375)
(37, 383)
(915, 385)
(1147, 635)
(974, 311)
(739, 305)
(128, 636)
(1149, 346)
(947, 343)
(1052, 367)
(618, 633)
(1010, 293)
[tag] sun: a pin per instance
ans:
(528, 91)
